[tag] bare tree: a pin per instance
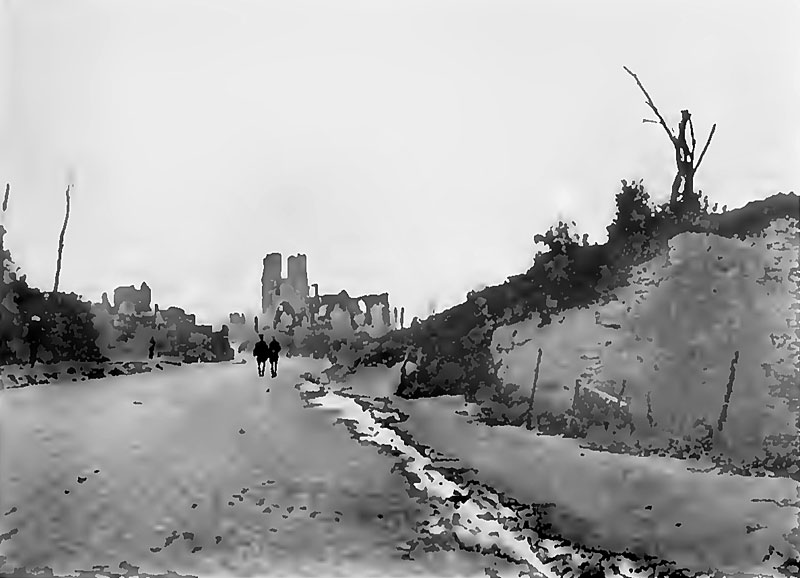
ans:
(683, 196)
(61, 244)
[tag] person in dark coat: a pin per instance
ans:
(262, 353)
(34, 338)
(274, 354)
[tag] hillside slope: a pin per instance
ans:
(450, 349)
(638, 335)
(651, 364)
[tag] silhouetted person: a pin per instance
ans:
(262, 353)
(274, 354)
(152, 350)
(34, 338)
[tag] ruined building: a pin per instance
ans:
(290, 295)
(127, 326)
(129, 299)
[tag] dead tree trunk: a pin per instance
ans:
(61, 244)
(683, 197)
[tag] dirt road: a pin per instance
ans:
(200, 470)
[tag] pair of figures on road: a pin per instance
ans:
(263, 352)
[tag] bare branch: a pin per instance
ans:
(5, 199)
(649, 120)
(705, 148)
(61, 244)
(651, 104)
(691, 132)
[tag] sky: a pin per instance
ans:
(412, 147)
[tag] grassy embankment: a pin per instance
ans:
(639, 340)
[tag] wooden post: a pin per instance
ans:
(650, 421)
(529, 416)
(729, 390)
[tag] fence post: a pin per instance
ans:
(533, 389)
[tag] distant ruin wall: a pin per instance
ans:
(280, 294)
(139, 298)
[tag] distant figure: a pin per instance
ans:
(34, 338)
(261, 352)
(274, 354)
(152, 350)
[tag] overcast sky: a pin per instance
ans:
(413, 147)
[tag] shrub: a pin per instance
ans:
(559, 238)
(635, 214)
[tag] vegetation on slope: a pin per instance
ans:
(696, 357)
(684, 278)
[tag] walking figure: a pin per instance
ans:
(152, 350)
(34, 338)
(261, 352)
(274, 354)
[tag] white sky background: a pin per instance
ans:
(413, 147)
